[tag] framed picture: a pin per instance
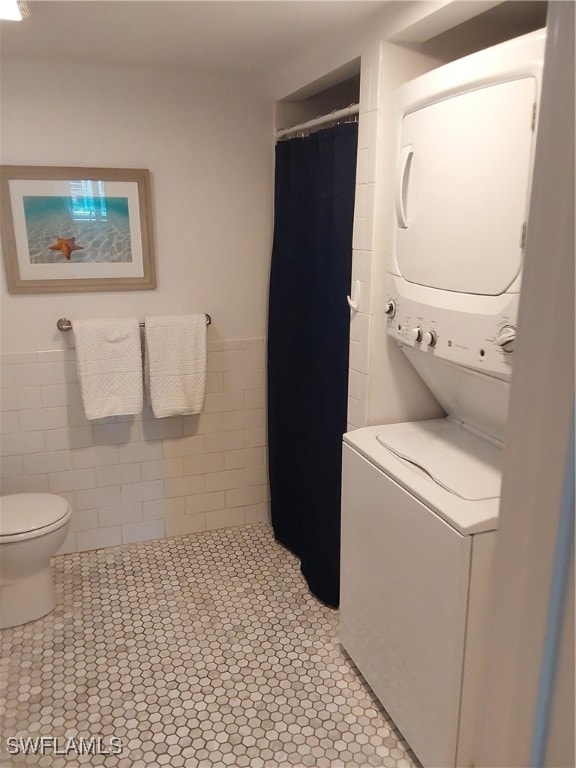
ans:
(76, 229)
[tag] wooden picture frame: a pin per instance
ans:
(76, 229)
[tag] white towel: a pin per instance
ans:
(109, 363)
(176, 364)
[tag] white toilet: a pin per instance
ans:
(33, 526)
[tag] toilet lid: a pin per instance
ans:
(25, 512)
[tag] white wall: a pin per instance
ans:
(536, 454)
(208, 144)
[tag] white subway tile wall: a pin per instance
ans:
(136, 478)
(363, 238)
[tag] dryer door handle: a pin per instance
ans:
(405, 164)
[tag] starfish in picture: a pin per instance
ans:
(66, 245)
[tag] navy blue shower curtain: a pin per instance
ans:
(308, 333)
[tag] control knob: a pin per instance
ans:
(416, 333)
(505, 338)
(390, 309)
(429, 338)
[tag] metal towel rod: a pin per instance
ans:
(64, 324)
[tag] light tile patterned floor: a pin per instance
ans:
(206, 650)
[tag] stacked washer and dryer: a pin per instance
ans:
(420, 500)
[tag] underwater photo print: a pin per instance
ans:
(80, 227)
(66, 229)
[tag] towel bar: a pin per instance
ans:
(63, 324)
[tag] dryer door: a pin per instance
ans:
(463, 188)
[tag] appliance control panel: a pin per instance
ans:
(483, 340)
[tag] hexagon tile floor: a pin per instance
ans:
(203, 651)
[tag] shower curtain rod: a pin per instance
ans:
(337, 114)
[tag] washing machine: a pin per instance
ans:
(420, 500)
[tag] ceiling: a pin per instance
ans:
(241, 36)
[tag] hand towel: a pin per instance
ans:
(109, 364)
(176, 364)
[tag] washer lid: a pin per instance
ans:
(454, 459)
(22, 512)
(467, 494)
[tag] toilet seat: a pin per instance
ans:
(29, 515)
